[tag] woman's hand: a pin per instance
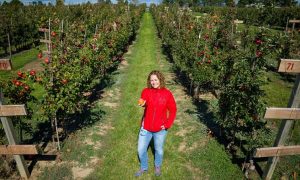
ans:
(141, 102)
(163, 127)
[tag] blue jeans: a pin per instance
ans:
(143, 143)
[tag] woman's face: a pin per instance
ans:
(154, 81)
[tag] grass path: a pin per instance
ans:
(189, 153)
(21, 59)
(107, 149)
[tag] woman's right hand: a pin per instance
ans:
(141, 102)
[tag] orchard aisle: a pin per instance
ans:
(108, 148)
(189, 153)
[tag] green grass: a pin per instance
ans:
(19, 60)
(278, 90)
(120, 160)
(53, 173)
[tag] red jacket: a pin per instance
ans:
(160, 109)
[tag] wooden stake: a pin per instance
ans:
(45, 41)
(43, 30)
(12, 110)
(277, 151)
(8, 38)
(282, 113)
(18, 149)
(287, 24)
(12, 139)
(284, 129)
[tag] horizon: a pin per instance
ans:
(72, 2)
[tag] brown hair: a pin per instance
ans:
(160, 77)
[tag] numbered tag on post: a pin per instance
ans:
(289, 65)
(5, 64)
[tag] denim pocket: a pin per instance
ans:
(143, 132)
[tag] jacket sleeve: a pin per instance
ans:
(171, 105)
(144, 95)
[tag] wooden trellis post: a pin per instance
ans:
(293, 22)
(13, 148)
(235, 25)
(288, 115)
(197, 17)
(47, 40)
(235, 28)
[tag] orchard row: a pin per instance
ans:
(86, 43)
(212, 55)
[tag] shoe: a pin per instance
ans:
(140, 172)
(157, 171)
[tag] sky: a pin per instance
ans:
(92, 1)
(83, 1)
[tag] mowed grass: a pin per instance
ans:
(120, 159)
(19, 60)
(118, 152)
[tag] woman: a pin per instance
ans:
(159, 115)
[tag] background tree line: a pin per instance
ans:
(240, 3)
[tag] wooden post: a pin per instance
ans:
(284, 129)
(197, 17)
(12, 139)
(287, 24)
(85, 34)
(294, 21)
(96, 28)
(19, 149)
(49, 51)
(5, 65)
(282, 113)
(277, 151)
(8, 39)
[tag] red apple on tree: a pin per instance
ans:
(17, 83)
(258, 41)
(20, 74)
(47, 61)
(258, 53)
(40, 55)
(64, 81)
(26, 87)
(53, 33)
(32, 73)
